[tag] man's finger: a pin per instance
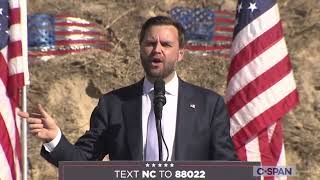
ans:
(35, 126)
(23, 114)
(34, 121)
(42, 111)
(35, 115)
(35, 131)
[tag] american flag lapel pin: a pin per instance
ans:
(193, 106)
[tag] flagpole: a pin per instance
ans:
(24, 137)
(23, 10)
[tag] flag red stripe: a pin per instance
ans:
(268, 178)
(219, 13)
(4, 71)
(259, 85)
(224, 20)
(68, 42)
(254, 49)
(241, 152)
(264, 148)
(14, 15)
(265, 119)
(224, 28)
(15, 82)
(265, 152)
(75, 24)
(7, 146)
(277, 140)
(92, 33)
(14, 49)
(222, 38)
(18, 79)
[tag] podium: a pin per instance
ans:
(170, 170)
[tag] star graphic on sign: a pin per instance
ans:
(147, 165)
(239, 7)
(252, 7)
(159, 165)
(165, 165)
(153, 165)
(171, 165)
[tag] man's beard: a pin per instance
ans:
(168, 69)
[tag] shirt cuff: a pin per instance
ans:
(52, 144)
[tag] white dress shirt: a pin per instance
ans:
(169, 114)
(168, 122)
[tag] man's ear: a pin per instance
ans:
(181, 53)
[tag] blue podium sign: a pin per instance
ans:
(115, 170)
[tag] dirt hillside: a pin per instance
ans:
(69, 86)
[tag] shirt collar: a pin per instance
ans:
(171, 86)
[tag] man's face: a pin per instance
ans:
(159, 52)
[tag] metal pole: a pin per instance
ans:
(24, 136)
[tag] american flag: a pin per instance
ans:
(261, 88)
(13, 72)
(215, 35)
(53, 35)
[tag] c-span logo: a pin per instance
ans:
(274, 170)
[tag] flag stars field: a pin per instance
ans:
(252, 7)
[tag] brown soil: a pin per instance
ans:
(69, 86)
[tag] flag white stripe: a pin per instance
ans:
(255, 68)
(71, 20)
(282, 158)
(78, 37)
(252, 150)
(16, 65)
(4, 53)
(6, 113)
(18, 120)
(281, 162)
(75, 28)
(14, 4)
(253, 30)
(5, 173)
(270, 130)
(15, 32)
(262, 103)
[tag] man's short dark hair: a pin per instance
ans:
(162, 20)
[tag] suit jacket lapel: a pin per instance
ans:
(185, 114)
(133, 121)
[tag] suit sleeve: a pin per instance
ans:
(91, 146)
(222, 144)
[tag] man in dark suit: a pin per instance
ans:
(195, 123)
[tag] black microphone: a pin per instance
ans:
(159, 98)
(158, 102)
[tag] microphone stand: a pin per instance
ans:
(158, 125)
(159, 102)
